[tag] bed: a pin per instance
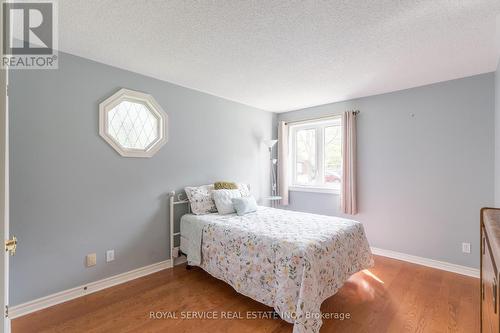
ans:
(288, 260)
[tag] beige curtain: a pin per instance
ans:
(283, 162)
(348, 194)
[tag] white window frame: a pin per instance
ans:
(319, 126)
(137, 97)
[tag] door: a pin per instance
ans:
(4, 197)
(4, 202)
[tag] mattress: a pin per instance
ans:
(191, 228)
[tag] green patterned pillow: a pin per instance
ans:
(225, 186)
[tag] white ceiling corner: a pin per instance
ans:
(281, 55)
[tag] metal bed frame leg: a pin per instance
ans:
(188, 267)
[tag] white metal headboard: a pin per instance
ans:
(173, 203)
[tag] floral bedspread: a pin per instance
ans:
(289, 260)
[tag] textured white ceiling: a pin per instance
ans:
(283, 55)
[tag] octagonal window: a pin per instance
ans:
(133, 123)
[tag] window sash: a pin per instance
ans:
(319, 126)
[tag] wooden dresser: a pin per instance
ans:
(490, 261)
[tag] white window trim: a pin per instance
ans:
(133, 96)
(316, 189)
(313, 124)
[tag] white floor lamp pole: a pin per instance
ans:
(270, 144)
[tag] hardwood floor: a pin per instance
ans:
(394, 296)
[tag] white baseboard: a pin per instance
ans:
(445, 266)
(66, 295)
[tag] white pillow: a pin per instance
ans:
(245, 191)
(200, 199)
(244, 205)
(223, 201)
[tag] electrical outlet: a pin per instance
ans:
(91, 259)
(466, 247)
(110, 255)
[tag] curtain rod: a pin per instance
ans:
(356, 112)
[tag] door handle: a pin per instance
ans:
(11, 245)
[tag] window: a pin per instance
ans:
(316, 155)
(133, 123)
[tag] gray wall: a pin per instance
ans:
(497, 136)
(422, 178)
(72, 194)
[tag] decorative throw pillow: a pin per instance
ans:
(225, 186)
(223, 201)
(244, 205)
(200, 199)
(244, 189)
